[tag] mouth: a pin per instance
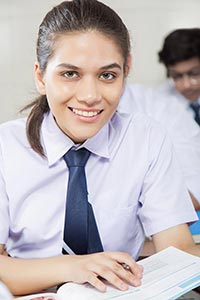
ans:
(191, 94)
(85, 113)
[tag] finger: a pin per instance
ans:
(121, 257)
(109, 275)
(137, 270)
(96, 282)
(126, 275)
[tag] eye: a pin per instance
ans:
(108, 76)
(194, 74)
(177, 76)
(70, 74)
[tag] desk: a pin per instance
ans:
(190, 296)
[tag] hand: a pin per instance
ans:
(92, 268)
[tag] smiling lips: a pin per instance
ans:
(84, 113)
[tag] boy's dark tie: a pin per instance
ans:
(196, 109)
(80, 232)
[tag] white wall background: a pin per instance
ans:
(147, 20)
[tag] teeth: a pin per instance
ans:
(84, 113)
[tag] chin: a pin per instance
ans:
(191, 97)
(82, 139)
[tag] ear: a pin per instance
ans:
(39, 79)
(128, 65)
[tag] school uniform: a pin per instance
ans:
(133, 179)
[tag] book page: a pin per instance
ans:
(167, 275)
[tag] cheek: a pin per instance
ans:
(179, 88)
(198, 87)
(57, 87)
(113, 95)
(58, 95)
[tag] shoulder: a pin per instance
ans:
(157, 103)
(14, 130)
(146, 99)
(9, 125)
(142, 126)
(167, 87)
(132, 98)
(148, 126)
(150, 101)
(168, 90)
(144, 140)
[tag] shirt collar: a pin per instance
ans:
(103, 144)
(56, 143)
(184, 99)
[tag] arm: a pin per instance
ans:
(178, 236)
(25, 276)
(149, 247)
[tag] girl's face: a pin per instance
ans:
(83, 83)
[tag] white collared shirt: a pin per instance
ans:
(182, 129)
(4, 292)
(134, 186)
(168, 89)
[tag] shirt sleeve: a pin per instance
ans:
(165, 201)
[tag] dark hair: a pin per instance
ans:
(71, 16)
(180, 45)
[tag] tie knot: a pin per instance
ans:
(76, 158)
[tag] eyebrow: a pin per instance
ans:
(172, 71)
(70, 66)
(111, 66)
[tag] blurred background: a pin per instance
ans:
(148, 21)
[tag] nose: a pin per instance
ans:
(88, 91)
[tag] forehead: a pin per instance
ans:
(185, 65)
(81, 47)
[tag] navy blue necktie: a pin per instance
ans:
(196, 109)
(80, 232)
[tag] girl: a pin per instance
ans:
(133, 182)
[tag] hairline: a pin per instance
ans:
(55, 36)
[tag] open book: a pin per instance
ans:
(167, 275)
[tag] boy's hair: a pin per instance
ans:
(180, 45)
